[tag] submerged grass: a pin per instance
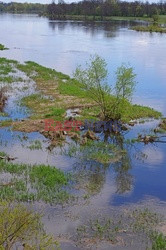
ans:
(35, 145)
(34, 183)
(126, 227)
(101, 152)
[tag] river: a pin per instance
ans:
(139, 179)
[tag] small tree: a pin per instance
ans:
(20, 228)
(94, 81)
(125, 83)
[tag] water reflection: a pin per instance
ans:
(92, 28)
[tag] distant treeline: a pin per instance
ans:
(93, 8)
(105, 8)
(23, 7)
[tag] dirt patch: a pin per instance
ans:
(28, 125)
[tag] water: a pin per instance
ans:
(64, 45)
(139, 178)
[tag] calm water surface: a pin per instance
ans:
(140, 176)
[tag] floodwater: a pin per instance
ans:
(139, 178)
(64, 45)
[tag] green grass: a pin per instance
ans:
(35, 71)
(131, 112)
(37, 103)
(57, 113)
(5, 69)
(4, 60)
(127, 110)
(2, 114)
(23, 227)
(100, 152)
(35, 145)
(34, 98)
(34, 183)
(158, 241)
(101, 229)
(46, 176)
(115, 228)
(162, 18)
(12, 168)
(2, 47)
(150, 28)
(10, 79)
(73, 88)
(55, 91)
(6, 123)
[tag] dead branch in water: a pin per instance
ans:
(150, 139)
(7, 158)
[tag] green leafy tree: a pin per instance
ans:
(20, 227)
(125, 83)
(94, 81)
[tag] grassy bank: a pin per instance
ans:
(150, 28)
(162, 18)
(57, 92)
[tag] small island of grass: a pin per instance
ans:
(58, 93)
(2, 47)
(150, 28)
